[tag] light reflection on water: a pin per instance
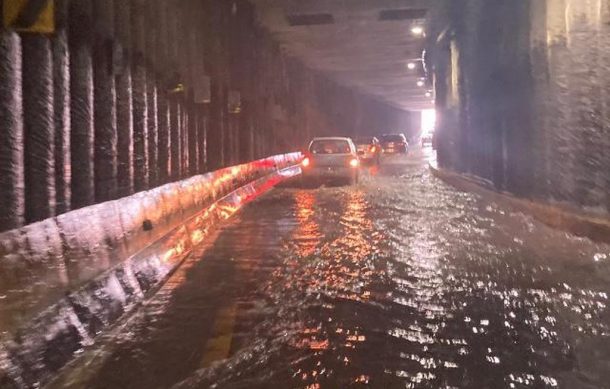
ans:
(420, 286)
(399, 282)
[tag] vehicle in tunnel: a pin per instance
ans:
(369, 149)
(394, 143)
(426, 140)
(331, 159)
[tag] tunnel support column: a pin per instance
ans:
(104, 102)
(245, 133)
(174, 136)
(163, 126)
(193, 139)
(124, 110)
(151, 92)
(202, 133)
(164, 145)
(173, 78)
(214, 134)
(39, 125)
(140, 112)
(81, 102)
(61, 102)
(11, 126)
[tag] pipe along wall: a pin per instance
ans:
(126, 95)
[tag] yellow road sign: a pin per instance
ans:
(36, 16)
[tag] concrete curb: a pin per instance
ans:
(567, 219)
(56, 328)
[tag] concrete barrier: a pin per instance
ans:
(66, 279)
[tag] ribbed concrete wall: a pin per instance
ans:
(111, 103)
(571, 65)
(522, 96)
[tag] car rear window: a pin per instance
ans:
(392, 138)
(330, 147)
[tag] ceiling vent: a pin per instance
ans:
(310, 19)
(402, 14)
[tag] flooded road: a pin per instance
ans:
(398, 282)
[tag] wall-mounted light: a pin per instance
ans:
(417, 30)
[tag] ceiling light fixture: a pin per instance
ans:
(417, 30)
(411, 65)
(420, 83)
(428, 94)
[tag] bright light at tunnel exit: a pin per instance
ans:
(428, 121)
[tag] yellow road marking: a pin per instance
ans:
(219, 346)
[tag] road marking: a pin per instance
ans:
(219, 346)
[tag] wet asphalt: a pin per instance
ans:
(400, 281)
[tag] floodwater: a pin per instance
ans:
(398, 282)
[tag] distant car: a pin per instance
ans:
(394, 143)
(426, 140)
(331, 159)
(368, 148)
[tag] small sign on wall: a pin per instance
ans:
(35, 16)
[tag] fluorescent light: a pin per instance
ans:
(417, 30)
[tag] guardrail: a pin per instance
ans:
(65, 279)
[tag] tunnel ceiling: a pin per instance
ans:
(363, 44)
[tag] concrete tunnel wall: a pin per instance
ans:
(112, 103)
(523, 94)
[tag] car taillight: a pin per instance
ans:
(354, 162)
(305, 162)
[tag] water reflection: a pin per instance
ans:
(417, 286)
(307, 235)
(403, 282)
(339, 271)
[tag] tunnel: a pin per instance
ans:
(127, 96)
(157, 229)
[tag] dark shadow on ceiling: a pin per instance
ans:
(402, 14)
(310, 19)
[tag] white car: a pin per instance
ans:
(331, 159)
(368, 148)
